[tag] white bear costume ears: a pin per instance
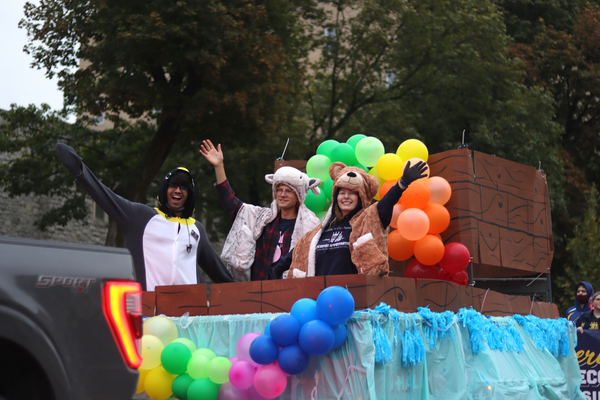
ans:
(298, 181)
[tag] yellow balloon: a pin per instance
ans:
(389, 167)
(161, 327)
(413, 161)
(381, 181)
(158, 384)
(413, 148)
(152, 347)
(143, 374)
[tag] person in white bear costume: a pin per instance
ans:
(261, 235)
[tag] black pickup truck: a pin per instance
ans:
(70, 321)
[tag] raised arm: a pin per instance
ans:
(122, 211)
(215, 157)
(385, 206)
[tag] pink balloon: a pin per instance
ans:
(270, 381)
(242, 348)
(229, 392)
(241, 374)
(234, 359)
(255, 395)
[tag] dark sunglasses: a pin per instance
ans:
(183, 188)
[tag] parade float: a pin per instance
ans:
(423, 332)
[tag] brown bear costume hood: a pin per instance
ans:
(368, 239)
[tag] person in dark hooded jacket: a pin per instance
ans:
(583, 294)
(167, 245)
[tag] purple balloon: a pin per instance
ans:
(234, 359)
(285, 329)
(241, 374)
(255, 395)
(229, 392)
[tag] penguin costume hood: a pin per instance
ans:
(179, 176)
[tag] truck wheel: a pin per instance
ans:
(22, 377)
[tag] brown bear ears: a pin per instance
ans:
(336, 169)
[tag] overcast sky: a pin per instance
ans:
(19, 83)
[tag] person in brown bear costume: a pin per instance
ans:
(352, 238)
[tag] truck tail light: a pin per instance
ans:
(122, 304)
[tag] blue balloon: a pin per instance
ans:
(268, 329)
(284, 329)
(304, 310)
(264, 350)
(316, 338)
(293, 360)
(335, 305)
(339, 336)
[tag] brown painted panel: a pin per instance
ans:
(515, 178)
(176, 300)
(405, 292)
(356, 285)
(235, 298)
(516, 249)
(519, 213)
(454, 163)
(494, 205)
(280, 295)
(439, 296)
(496, 304)
(381, 289)
(520, 304)
(554, 311)
(486, 169)
(148, 304)
(489, 244)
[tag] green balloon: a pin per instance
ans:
(343, 152)
(328, 188)
(326, 147)
(358, 165)
(203, 389)
(368, 151)
(318, 167)
(197, 367)
(174, 358)
(187, 342)
(315, 203)
(218, 370)
(321, 215)
(180, 386)
(208, 353)
(353, 140)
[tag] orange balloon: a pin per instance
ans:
(413, 161)
(439, 217)
(399, 248)
(413, 224)
(417, 195)
(385, 188)
(398, 208)
(440, 190)
(429, 250)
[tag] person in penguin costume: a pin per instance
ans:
(167, 245)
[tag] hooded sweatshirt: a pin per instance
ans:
(166, 249)
(250, 247)
(574, 312)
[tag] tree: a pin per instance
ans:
(431, 69)
(191, 69)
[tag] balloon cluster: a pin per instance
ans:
(312, 328)
(173, 366)
(419, 216)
